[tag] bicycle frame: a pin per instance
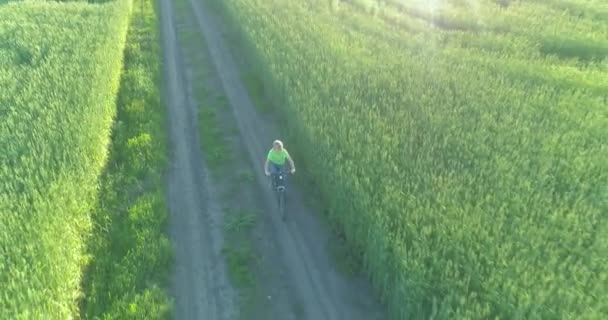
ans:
(278, 184)
(278, 180)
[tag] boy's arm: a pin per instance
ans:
(293, 166)
(266, 167)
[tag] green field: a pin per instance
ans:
(460, 145)
(130, 252)
(59, 73)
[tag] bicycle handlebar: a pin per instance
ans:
(276, 173)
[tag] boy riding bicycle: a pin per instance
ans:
(275, 161)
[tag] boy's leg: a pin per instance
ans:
(273, 171)
(273, 168)
(281, 169)
(277, 168)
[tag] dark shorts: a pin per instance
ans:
(276, 168)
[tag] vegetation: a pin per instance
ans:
(460, 145)
(59, 72)
(131, 255)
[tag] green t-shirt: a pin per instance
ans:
(278, 157)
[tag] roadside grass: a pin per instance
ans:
(241, 258)
(255, 89)
(215, 140)
(348, 261)
(130, 252)
(239, 221)
(246, 177)
(215, 150)
(238, 259)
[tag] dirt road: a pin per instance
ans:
(200, 284)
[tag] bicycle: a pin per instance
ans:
(277, 181)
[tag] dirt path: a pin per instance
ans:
(322, 291)
(300, 269)
(199, 281)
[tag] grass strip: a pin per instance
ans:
(130, 252)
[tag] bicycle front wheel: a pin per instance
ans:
(282, 208)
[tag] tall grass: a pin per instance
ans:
(473, 187)
(59, 73)
(130, 253)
